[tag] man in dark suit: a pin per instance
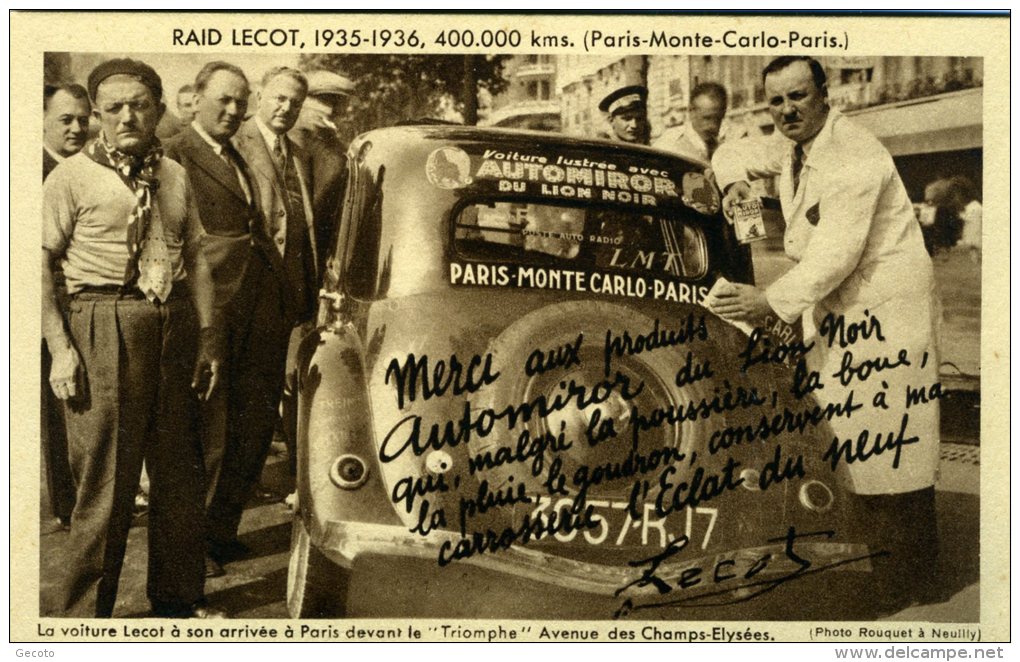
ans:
(66, 110)
(317, 132)
(253, 289)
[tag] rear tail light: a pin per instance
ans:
(816, 496)
(348, 472)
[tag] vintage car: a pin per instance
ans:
(515, 402)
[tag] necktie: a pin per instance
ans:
(710, 146)
(797, 166)
(234, 161)
(154, 271)
(278, 155)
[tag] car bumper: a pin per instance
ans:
(345, 542)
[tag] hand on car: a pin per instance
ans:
(737, 302)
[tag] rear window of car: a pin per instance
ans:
(581, 236)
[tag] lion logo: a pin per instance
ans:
(449, 168)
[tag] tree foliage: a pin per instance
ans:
(393, 87)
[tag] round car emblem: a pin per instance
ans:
(449, 168)
(699, 193)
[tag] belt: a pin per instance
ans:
(130, 292)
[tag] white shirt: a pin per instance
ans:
(272, 139)
(218, 148)
(686, 142)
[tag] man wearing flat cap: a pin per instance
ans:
(139, 348)
(317, 132)
(628, 116)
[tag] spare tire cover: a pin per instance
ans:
(551, 328)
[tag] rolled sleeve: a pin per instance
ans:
(748, 159)
(58, 212)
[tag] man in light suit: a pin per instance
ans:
(860, 254)
(284, 175)
(253, 292)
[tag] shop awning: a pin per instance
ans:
(942, 123)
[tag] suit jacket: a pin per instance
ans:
(48, 164)
(860, 254)
(329, 180)
(296, 240)
(239, 254)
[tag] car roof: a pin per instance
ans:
(527, 139)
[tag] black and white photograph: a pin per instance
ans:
(480, 328)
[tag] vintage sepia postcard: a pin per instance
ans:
(510, 327)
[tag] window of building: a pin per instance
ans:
(676, 88)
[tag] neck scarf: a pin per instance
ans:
(139, 174)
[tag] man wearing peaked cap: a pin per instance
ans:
(628, 115)
(325, 83)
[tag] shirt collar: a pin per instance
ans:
(694, 138)
(821, 142)
(215, 144)
(270, 137)
(57, 156)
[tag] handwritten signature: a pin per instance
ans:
(725, 574)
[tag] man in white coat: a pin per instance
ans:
(860, 260)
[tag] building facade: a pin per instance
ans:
(926, 110)
(531, 99)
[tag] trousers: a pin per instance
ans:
(239, 424)
(136, 404)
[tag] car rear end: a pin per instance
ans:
(519, 404)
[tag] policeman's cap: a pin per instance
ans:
(625, 98)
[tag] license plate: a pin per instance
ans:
(615, 526)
